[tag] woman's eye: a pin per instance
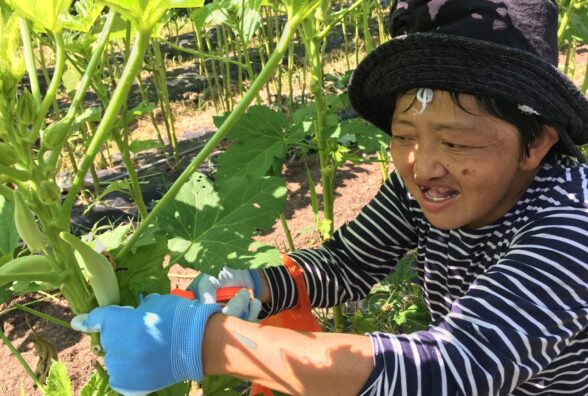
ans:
(402, 139)
(454, 146)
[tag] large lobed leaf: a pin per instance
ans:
(208, 229)
(260, 140)
(142, 272)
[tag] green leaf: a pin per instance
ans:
(11, 61)
(86, 13)
(71, 77)
(44, 13)
(98, 386)
(118, 185)
(179, 389)
(10, 237)
(369, 138)
(144, 14)
(143, 145)
(91, 114)
(58, 382)
(208, 229)
(113, 239)
(142, 272)
(259, 141)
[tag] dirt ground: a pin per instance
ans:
(356, 185)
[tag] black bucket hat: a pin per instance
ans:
(496, 48)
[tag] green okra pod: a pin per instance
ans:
(27, 226)
(100, 272)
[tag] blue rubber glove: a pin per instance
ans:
(153, 346)
(204, 287)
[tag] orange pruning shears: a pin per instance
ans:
(223, 295)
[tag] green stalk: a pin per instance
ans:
(382, 160)
(29, 59)
(220, 134)
(52, 89)
(23, 362)
(201, 54)
(92, 64)
(367, 35)
(162, 86)
(42, 315)
(565, 21)
(217, 85)
(123, 146)
(337, 18)
(110, 115)
(287, 232)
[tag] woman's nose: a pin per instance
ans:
(426, 164)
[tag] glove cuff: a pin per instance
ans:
(186, 342)
(255, 279)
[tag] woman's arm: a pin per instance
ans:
(292, 362)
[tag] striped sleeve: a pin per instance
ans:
(510, 326)
(360, 254)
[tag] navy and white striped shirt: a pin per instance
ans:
(508, 302)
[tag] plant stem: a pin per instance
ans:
(201, 54)
(565, 21)
(119, 98)
(52, 89)
(23, 362)
(162, 86)
(42, 315)
(29, 58)
(232, 119)
(287, 232)
(92, 64)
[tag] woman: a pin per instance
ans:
(489, 188)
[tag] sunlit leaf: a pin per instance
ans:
(98, 386)
(86, 13)
(58, 382)
(44, 13)
(369, 138)
(208, 229)
(145, 14)
(142, 145)
(11, 61)
(142, 272)
(259, 143)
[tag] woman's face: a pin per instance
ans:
(463, 167)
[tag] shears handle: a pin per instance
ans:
(223, 295)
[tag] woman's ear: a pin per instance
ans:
(539, 148)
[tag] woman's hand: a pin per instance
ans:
(153, 346)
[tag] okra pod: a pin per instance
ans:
(27, 226)
(100, 272)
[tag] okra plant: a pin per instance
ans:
(32, 140)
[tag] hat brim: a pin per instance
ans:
(459, 64)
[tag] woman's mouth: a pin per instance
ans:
(438, 194)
